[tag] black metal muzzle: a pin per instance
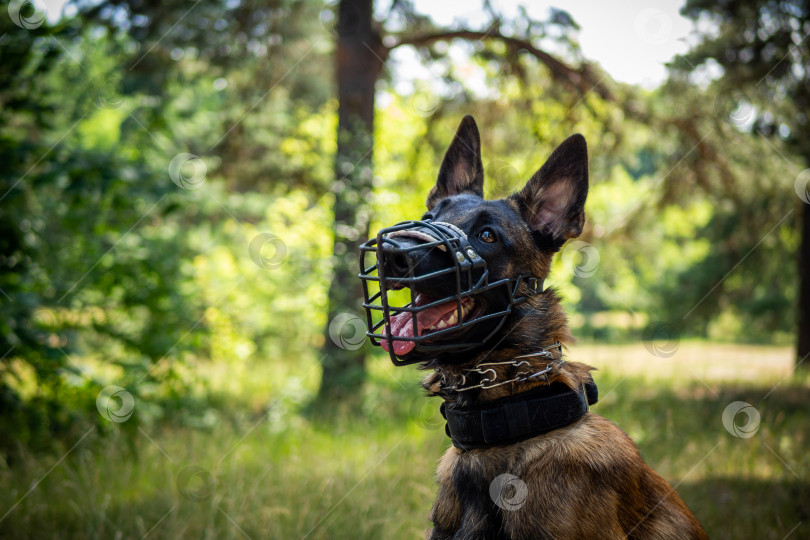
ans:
(424, 292)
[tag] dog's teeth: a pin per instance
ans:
(466, 307)
(441, 325)
(453, 319)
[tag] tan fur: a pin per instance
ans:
(587, 480)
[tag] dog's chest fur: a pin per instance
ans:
(586, 480)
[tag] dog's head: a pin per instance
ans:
(469, 260)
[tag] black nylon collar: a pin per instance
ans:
(518, 417)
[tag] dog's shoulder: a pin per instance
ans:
(593, 441)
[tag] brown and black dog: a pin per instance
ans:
(585, 479)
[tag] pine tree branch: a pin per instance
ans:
(581, 79)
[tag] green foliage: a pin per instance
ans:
(753, 57)
(28, 57)
(761, 50)
(112, 271)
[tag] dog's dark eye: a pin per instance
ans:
(487, 235)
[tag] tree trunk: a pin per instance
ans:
(358, 67)
(803, 329)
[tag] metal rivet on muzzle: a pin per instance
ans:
(472, 254)
(460, 256)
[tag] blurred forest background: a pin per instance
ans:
(184, 185)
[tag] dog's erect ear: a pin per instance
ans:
(553, 201)
(461, 171)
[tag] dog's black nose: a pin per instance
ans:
(399, 264)
(402, 257)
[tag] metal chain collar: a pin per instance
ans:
(490, 376)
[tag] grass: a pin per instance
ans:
(269, 472)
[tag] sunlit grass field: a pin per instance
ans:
(261, 468)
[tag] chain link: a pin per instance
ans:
(487, 369)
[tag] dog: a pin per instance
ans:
(529, 459)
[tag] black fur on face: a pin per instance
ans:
(519, 234)
(537, 220)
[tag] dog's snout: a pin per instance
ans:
(399, 263)
(402, 257)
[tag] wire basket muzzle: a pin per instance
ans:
(416, 270)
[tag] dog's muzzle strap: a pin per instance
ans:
(518, 417)
(429, 235)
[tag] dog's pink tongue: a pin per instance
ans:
(402, 324)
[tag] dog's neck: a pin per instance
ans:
(537, 327)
